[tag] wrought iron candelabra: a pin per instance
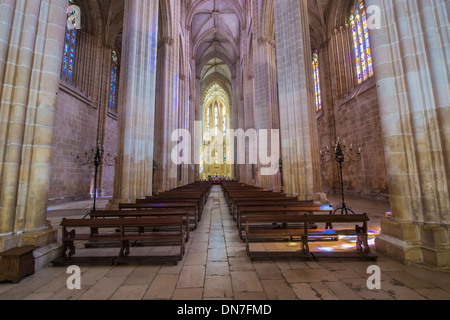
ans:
(341, 154)
(280, 167)
(95, 158)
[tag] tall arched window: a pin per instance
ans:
(69, 51)
(208, 125)
(316, 73)
(224, 114)
(113, 90)
(224, 121)
(216, 120)
(361, 41)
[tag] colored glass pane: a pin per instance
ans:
(113, 90)
(316, 74)
(68, 67)
(216, 120)
(361, 42)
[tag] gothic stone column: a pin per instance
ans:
(266, 98)
(299, 142)
(133, 174)
(31, 48)
(410, 54)
(169, 122)
(266, 90)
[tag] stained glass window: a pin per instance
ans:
(224, 120)
(216, 124)
(208, 128)
(316, 73)
(113, 91)
(216, 120)
(224, 114)
(201, 164)
(208, 117)
(361, 41)
(69, 51)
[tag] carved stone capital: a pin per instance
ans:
(267, 40)
(165, 41)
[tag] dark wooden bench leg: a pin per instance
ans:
(94, 231)
(124, 249)
(305, 245)
(182, 250)
(64, 249)
(68, 245)
(362, 243)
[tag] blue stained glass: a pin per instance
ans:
(68, 60)
(69, 55)
(113, 92)
(316, 74)
(361, 42)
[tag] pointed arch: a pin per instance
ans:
(194, 9)
(220, 32)
(337, 15)
(213, 55)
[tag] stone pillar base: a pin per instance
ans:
(113, 203)
(39, 238)
(43, 256)
(319, 198)
(415, 243)
(8, 242)
(398, 249)
(46, 240)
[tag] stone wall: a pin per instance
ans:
(350, 112)
(110, 138)
(75, 130)
(81, 118)
(358, 123)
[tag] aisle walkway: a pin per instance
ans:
(216, 267)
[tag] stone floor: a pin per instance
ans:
(216, 267)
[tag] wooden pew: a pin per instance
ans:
(106, 232)
(194, 192)
(237, 187)
(97, 214)
(289, 209)
(190, 206)
(260, 194)
(196, 201)
(276, 232)
(252, 202)
(203, 187)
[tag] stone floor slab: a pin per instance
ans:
(192, 277)
(216, 266)
(245, 281)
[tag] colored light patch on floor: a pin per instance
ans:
(321, 244)
(344, 243)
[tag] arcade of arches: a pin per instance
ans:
(135, 71)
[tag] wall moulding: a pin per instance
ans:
(77, 94)
(358, 90)
(112, 115)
